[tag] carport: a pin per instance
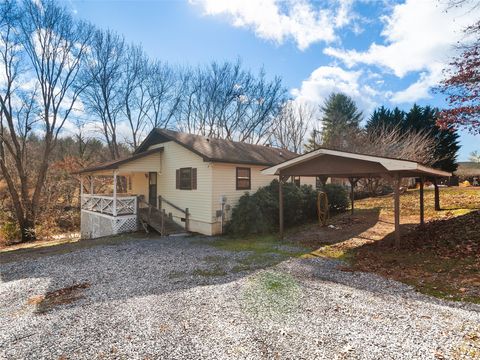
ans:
(325, 163)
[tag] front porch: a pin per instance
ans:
(103, 215)
(123, 202)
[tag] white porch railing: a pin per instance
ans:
(104, 204)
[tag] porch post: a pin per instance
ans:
(81, 186)
(397, 209)
(115, 193)
(280, 205)
(91, 184)
(422, 205)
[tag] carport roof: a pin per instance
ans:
(328, 162)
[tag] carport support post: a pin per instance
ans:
(397, 209)
(280, 205)
(422, 205)
(353, 183)
(437, 194)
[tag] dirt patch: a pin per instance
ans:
(340, 228)
(52, 299)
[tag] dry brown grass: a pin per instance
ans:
(52, 299)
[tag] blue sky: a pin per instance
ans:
(379, 52)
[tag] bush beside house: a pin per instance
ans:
(257, 213)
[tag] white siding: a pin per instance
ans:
(139, 184)
(224, 184)
(213, 181)
(144, 164)
(199, 201)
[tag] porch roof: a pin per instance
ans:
(115, 164)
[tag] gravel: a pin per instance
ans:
(156, 299)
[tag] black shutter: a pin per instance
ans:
(194, 178)
(177, 178)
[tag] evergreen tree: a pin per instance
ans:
(425, 119)
(385, 119)
(420, 119)
(313, 142)
(341, 118)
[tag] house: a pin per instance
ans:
(468, 171)
(190, 180)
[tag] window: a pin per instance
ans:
(186, 179)
(296, 180)
(243, 178)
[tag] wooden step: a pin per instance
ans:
(154, 220)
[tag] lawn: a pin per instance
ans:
(454, 201)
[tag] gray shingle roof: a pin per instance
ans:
(219, 150)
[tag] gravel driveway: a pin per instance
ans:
(182, 298)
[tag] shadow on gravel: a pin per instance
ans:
(132, 266)
(126, 267)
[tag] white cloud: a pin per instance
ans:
(421, 88)
(327, 79)
(280, 20)
(419, 36)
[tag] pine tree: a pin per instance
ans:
(425, 119)
(420, 119)
(341, 118)
(385, 119)
(313, 142)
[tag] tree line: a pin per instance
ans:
(59, 73)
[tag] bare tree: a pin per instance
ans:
(225, 101)
(40, 42)
(165, 87)
(291, 126)
(136, 100)
(104, 74)
(392, 142)
(411, 145)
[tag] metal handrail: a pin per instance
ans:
(162, 199)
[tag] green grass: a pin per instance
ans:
(259, 252)
(271, 294)
(214, 271)
(440, 277)
(261, 244)
(441, 291)
(176, 275)
(255, 261)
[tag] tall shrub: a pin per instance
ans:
(258, 213)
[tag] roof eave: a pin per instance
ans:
(115, 165)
